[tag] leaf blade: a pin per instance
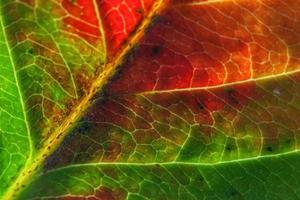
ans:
(13, 123)
(58, 132)
(136, 125)
(248, 179)
(166, 129)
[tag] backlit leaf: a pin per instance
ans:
(132, 99)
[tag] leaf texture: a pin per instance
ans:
(56, 56)
(15, 146)
(150, 99)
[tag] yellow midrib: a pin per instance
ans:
(58, 134)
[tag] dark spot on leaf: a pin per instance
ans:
(231, 95)
(229, 90)
(31, 51)
(200, 179)
(228, 148)
(155, 50)
(269, 148)
(200, 105)
(233, 193)
(140, 11)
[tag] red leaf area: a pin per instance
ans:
(82, 19)
(119, 18)
(194, 107)
(193, 46)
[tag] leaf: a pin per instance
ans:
(54, 57)
(204, 106)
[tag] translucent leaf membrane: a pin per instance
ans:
(53, 63)
(45, 68)
(211, 44)
(57, 48)
(207, 123)
(206, 106)
(120, 18)
(14, 144)
(83, 19)
(51, 54)
(201, 126)
(274, 177)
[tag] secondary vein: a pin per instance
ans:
(99, 164)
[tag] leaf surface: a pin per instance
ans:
(206, 105)
(54, 56)
(15, 146)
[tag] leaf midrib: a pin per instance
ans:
(60, 132)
